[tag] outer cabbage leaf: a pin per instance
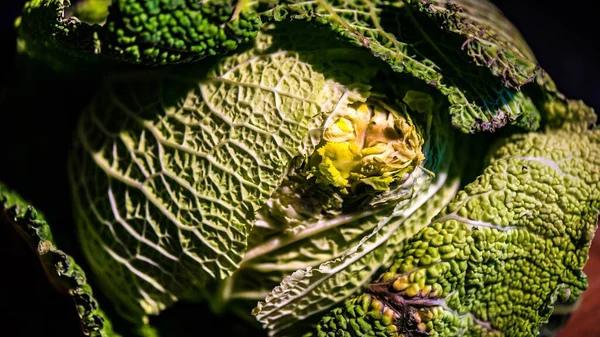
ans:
(415, 45)
(568, 114)
(489, 38)
(61, 270)
(497, 258)
(493, 42)
(148, 32)
(170, 168)
(167, 32)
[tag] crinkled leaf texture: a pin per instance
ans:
(149, 32)
(61, 270)
(489, 39)
(459, 52)
(308, 292)
(170, 168)
(496, 259)
(412, 43)
(359, 244)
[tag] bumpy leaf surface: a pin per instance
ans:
(497, 258)
(308, 292)
(151, 32)
(60, 268)
(161, 32)
(166, 32)
(396, 33)
(170, 168)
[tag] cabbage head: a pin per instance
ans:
(314, 168)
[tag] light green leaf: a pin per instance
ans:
(170, 167)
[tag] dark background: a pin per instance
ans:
(565, 38)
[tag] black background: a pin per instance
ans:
(564, 38)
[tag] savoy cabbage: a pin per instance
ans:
(316, 168)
